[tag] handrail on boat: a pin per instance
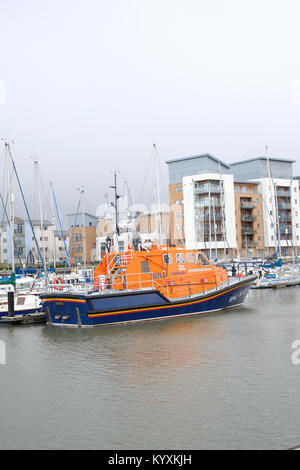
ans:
(138, 281)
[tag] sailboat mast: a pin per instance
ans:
(83, 227)
(157, 194)
(223, 210)
(209, 218)
(215, 229)
(11, 206)
(116, 209)
(275, 199)
(36, 163)
(53, 225)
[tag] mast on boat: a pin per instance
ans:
(209, 219)
(82, 201)
(53, 225)
(11, 205)
(158, 227)
(36, 165)
(223, 210)
(272, 184)
(117, 229)
(215, 230)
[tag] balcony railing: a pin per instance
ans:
(206, 218)
(281, 193)
(207, 190)
(248, 218)
(248, 231)
(247, 205)
(208, 204)
(249, 244)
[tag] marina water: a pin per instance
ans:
(224, 381)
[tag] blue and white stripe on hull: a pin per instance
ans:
(128, 307)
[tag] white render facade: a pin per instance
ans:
(281, 212)
(209, 221)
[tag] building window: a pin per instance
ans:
(77, 248)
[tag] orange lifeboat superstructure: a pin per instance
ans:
(175, 272)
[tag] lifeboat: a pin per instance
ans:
(156, 282)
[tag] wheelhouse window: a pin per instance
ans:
(190, 258)
(167, 259)
(202, 260)
(180, 258)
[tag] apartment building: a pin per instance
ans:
(50, 241)
(82, 237)
(249, 219)
(247, 208)
(279, 193)
(202, 204)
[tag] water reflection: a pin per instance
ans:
(221, 381)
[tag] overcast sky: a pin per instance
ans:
(92, 84)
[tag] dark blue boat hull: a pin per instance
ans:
(96, 309)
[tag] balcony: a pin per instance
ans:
(248, 231)
(249, 244)
(207, 218)
(248, 218)
(247, 205)
(281, 193)
(284, 206)
(212, 233)
(207, 190)
(206, 203)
